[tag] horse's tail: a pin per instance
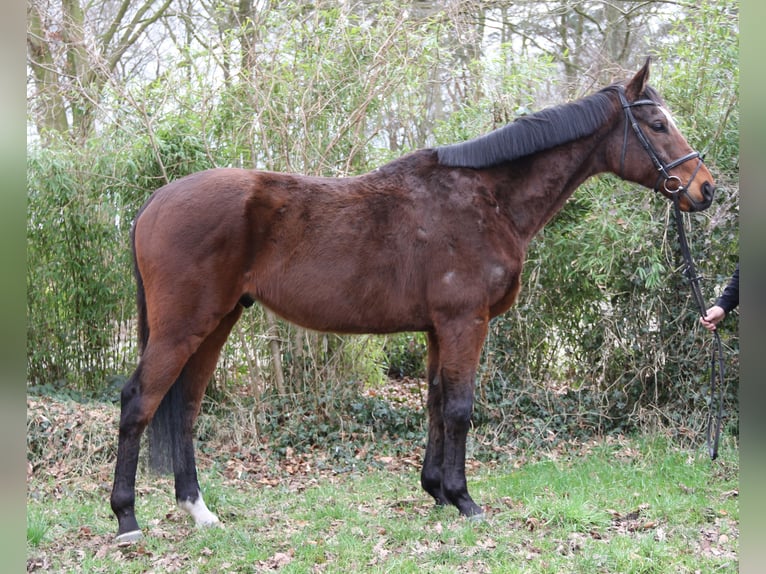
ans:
(167, 416)
(163, 428)
(143, 324)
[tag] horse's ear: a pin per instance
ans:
(635, 87)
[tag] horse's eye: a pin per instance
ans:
(659, 127)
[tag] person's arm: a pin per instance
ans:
(728, 300)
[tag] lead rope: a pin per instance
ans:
(716, 364)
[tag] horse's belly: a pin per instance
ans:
(341, 307)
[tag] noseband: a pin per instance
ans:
(671, 184)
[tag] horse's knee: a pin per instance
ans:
(457, 413)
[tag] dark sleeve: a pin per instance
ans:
(729, 299)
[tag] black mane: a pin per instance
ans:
(530, 134)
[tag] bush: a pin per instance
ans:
(405, 355)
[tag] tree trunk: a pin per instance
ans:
(276, 353)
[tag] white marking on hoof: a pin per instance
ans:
(128, 537)
(199, 512)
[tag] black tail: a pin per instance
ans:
(167, 418)
(143, 325)
(163, 429)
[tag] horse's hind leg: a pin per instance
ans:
(160, 365)
(163, 362)
(195, 378)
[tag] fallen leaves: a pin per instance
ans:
(277, 561)
(406, 392)
(65, 438)
(632, 521)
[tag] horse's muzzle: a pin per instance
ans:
(708, 191)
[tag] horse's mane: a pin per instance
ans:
(533, 133)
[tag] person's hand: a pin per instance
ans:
(712, 317)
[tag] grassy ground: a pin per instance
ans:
(612, 505)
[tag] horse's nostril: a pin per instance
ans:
(708, 190)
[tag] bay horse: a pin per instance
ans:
(433, 241)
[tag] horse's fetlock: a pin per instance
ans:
(431, 482)
(122, 502)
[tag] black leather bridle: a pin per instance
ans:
(674, 188)
(670, 183)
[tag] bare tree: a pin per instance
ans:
(73, 48)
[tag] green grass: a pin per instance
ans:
(38, 526)
(627, 506)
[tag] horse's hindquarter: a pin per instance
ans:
(190, 243)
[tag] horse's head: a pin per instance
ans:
(654, 153)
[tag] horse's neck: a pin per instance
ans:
(549, 179)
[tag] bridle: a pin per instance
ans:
(671, 184)
(675, 189)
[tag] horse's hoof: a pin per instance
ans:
(210, 524)
(480, 517)
(128, 537)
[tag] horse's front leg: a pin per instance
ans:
(431, 473)
(459, 345)
(457, 409)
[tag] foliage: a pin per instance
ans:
(704, 85)
(604, 335)
(80, 295)
(75, 281)
(306, 429)
(405, 355)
